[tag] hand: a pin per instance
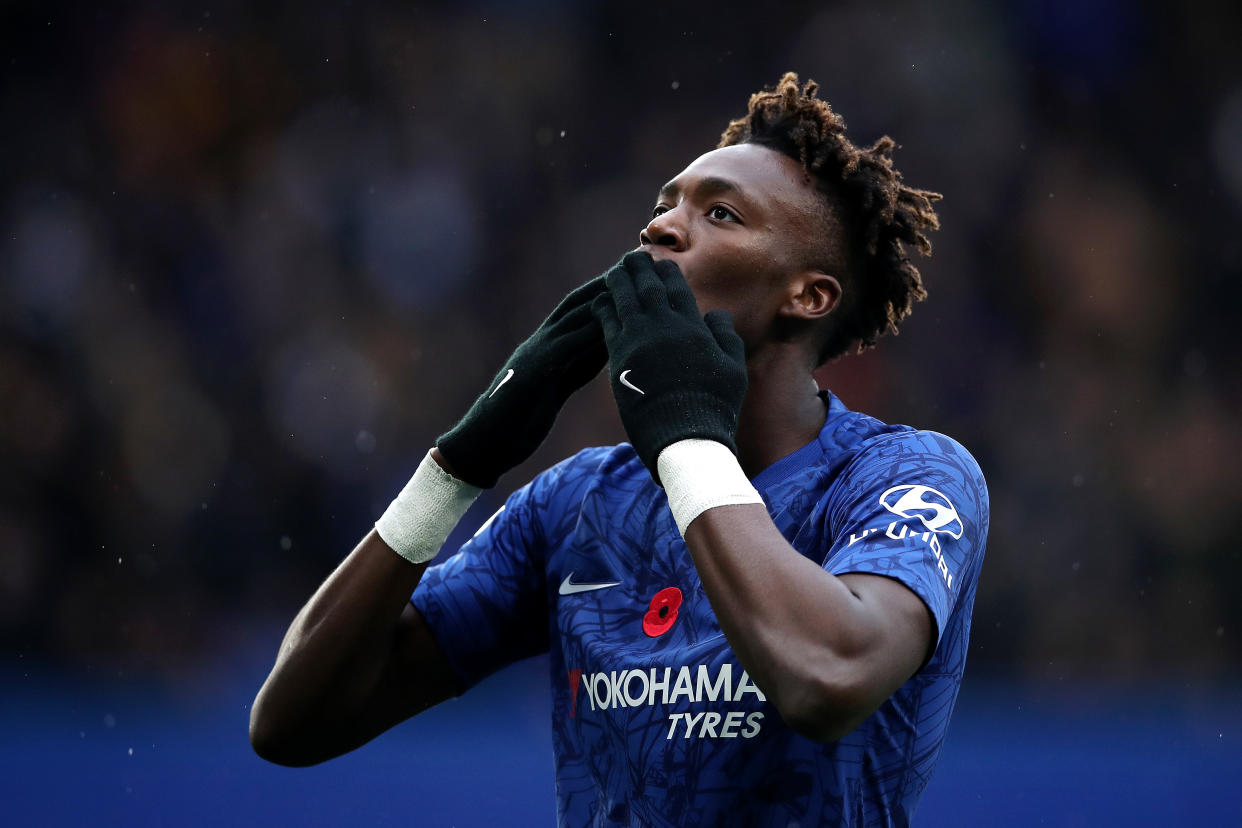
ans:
(675, 375)
(507, 423)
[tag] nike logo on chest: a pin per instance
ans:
(568, 587)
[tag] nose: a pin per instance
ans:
(664, 230)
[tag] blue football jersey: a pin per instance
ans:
(655, 722)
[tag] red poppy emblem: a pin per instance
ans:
(662, 613)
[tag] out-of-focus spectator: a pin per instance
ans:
(255, 260)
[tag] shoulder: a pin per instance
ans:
(865, 448)
(914, 468)
(910, 450)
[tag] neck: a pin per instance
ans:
(782, 411)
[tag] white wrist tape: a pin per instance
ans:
(419, 521)
(699, 475)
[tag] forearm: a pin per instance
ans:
(336, 651)
(826, 650)
(357, 658)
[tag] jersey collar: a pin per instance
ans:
(804, 456)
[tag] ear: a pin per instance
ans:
(813, 294)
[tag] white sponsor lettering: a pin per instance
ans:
(645, 688)
(707, 722)
(935, 511)
(731, 722)
(593, 682)
(683, 686)
(631, 700)
(638, 688)
(745, 685)
(925, 503)
(856, 538)
(661, 686)
(712, 691)
(614, 688)
(899, 531)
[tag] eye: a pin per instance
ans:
(722, 213)
(660, 209)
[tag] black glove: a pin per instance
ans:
(507, 423)
(675, 375)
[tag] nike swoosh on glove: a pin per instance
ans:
(675, 375)
(507, 422)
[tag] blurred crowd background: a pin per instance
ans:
(255, 257)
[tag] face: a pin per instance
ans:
(738, 222)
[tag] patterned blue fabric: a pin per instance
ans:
(654, 720)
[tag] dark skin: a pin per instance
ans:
(826, 650)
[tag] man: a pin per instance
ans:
(756, 611)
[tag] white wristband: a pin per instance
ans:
(419, 521)
(699, 475)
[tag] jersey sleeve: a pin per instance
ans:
(913, 507)
(487, 604)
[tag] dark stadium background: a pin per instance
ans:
(256, 256)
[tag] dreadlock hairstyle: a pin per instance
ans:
(877, 213)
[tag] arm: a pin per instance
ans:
(826, 650)
(359, 658)
(356, 660)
